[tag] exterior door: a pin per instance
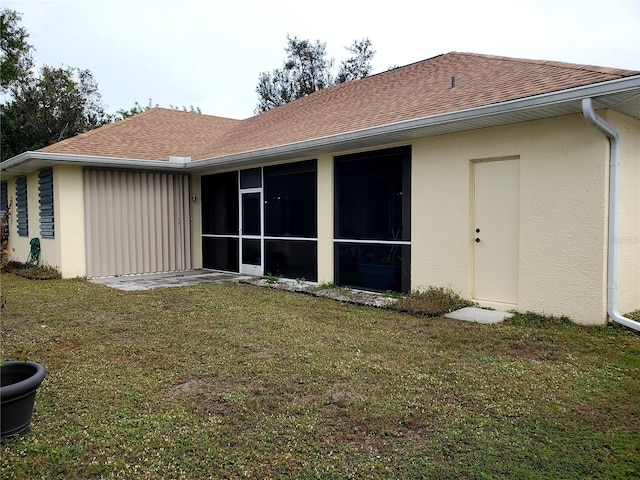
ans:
(496, 232)
(251, 255)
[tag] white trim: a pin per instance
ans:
(376, 242)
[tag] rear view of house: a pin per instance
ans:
(514, 182)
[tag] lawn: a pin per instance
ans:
(239, 381)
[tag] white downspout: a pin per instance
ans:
(614, 182)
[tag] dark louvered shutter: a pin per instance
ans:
(45, 185)
(22, 214)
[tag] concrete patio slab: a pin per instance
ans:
(479, 315)
(169, 279)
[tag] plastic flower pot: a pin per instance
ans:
(18, 385)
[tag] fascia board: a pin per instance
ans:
(21, 164)
(336, 142)
(498, 109)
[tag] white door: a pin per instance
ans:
(251, 255)
(496, 231)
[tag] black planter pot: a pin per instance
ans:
(18, 385)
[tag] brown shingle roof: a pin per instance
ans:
(155, 134)
(418, 90)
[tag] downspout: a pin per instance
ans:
(614, 182)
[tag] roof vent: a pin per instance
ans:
(453, 81)
(182, 160)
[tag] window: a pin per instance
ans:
(22, 214)
(45, 186)
(279, 220)
(372, 208)
(290, 196)
(220, 204)
(220, 221)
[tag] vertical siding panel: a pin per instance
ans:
(136, 222)
(158, 232)
(177, 198)
(118, 219)
(165, 223)
(140, 227)
(187, 220)
(124, 215)
(113, 229)
(88, 221)
(106, 230)
(146, 223)
(172, 247)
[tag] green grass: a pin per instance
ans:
(237, 381)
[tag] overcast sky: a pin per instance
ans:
(209, 54)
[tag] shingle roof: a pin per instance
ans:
(155, 134)
(417, 90)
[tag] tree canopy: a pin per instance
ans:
(44, 107)
(306, 69)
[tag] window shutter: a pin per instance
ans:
(45, 185)
(22, 215)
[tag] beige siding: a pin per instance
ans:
(136, 222)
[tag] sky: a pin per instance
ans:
(209, 53)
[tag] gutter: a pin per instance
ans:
(614, 182)
(517, 110)
(23, 159)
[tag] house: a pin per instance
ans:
(496, 177)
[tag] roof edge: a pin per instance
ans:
(335, 142)
(14, 166)
(619, 85)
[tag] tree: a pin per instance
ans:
(306, 69)
(42, 109)
(359, 65)
(137, 108)
(16, 61)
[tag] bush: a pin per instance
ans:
(433, 302)
(40, 272)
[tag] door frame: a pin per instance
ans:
(247, 268)
(496, 295)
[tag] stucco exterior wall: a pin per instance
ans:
(629, 215)
(66, 251)
(325, 218)
(562, 246)
(69, 211)
(19, 246)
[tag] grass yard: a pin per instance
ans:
(238, 381)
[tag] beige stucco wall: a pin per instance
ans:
(68, 191)
(628, 298)
(562, 213)
(66, 251)
(325, 219)
(19, 246)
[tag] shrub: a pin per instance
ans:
(40, 272)
(432, 302)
